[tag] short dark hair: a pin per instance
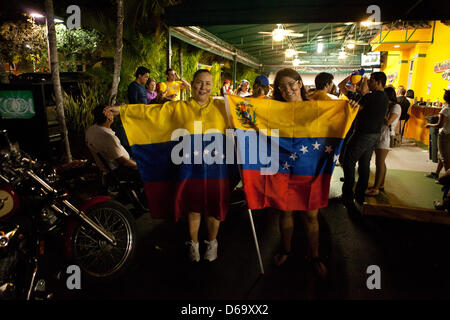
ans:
(99, 116)
(447, 96)
(410, 94)
(168, 70)
(140, 71)
(322, 79)
(200, 71)
(402, 90)
(380, 77)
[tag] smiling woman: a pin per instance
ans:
(202, 85)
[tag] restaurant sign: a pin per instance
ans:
(16, 104)
(442, 66)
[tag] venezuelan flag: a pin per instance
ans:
(288, 150)
(180, 149)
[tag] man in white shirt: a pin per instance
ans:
(102, 140)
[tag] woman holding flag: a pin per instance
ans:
(185, 178)
(288, 87)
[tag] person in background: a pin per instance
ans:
(404, 104)
(365, 136)
(324, 85)
(226, 88)
(410, 96)
(161, 94)
(136, 90)
(383, 147)
(444, 134)
(150, 86)
(243, 90)
(261, 87)
(174, 85)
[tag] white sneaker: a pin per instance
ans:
(194, 253)
(211, 250)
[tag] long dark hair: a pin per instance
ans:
(291, 73)
(390, 93)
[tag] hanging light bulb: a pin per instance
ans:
(289, 53)
(277, 35)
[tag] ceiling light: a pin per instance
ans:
(351, 46)
(36, 15)
(342, 55)
(369, 23)
(290, 53)
(319, 47)
(397, 46)
(277, 35)
(58, 20)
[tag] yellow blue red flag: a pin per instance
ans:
(288, 150)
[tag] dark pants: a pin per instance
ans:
(359, 149)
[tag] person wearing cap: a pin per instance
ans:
(243, 90)
(226, 89)
(261, 87)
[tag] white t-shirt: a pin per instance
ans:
(244, 94)
(104, 141)
(446, 126)
(397, 110)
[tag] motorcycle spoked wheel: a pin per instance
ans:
(94, 255)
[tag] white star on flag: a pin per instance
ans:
(328, 149)
(195, 153)
(304, 149)
(187, 155)
(206, 151)
(316, 146)
(294, 156)
(223, 156)
(286, 165)
(336, 158)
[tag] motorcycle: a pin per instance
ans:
(39, 224)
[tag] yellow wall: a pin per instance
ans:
(423, 69)
(392, 66)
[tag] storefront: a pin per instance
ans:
(418, 59)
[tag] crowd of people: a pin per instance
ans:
(382, 113)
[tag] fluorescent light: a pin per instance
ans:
(351, 46)
(319, 47)
(36, 15)
(397, 46)
(58, 20)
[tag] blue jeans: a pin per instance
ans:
(359, 149)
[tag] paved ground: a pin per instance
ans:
(413, 259)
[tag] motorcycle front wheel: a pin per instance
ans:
(93, 254)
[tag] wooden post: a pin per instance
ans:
(118, 53)
(234, 71)
(182, 93)
(169, 50)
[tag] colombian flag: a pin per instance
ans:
(180, 149)
(288, 150)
